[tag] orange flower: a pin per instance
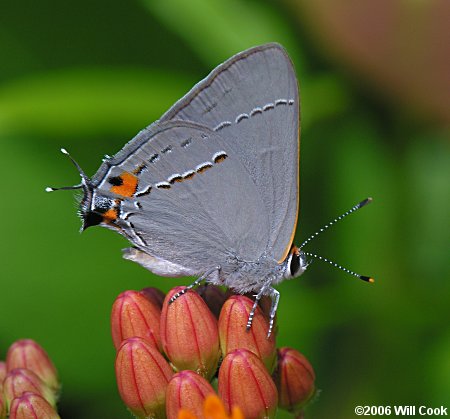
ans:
(213, 408)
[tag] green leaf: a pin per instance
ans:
(83, 103)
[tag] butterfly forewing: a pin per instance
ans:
(252, 101)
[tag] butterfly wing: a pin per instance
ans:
(252, 101)
(193, 203)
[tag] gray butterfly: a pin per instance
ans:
(211, 189)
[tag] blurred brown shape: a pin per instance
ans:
(401, 48)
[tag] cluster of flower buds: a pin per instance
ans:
(168, 357)
(29, 385)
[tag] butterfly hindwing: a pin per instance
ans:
(194, 201)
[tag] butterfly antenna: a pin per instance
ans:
(327, 226)
(363, 277)
(85, 181)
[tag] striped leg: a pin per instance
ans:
(258, 297)
(275, 297)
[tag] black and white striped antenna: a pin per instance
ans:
(85, 181)
(325, 227)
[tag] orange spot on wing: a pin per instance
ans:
(110, 216)
(128, 187)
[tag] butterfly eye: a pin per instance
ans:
(296, 263)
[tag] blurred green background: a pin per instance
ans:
(374, 77)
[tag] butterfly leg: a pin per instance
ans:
(258, 297)
(275, 297)
(214, 270)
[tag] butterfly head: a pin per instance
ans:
(93, 208)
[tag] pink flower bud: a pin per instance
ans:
(213, 296)
(294, 379)
(28, 354)
(142, 377)
(245, 382)
(234, 334)
(31, 406)
(133, 314)
(3, 372)
(20, 380)
(155, 296)
(2, 401)
(189, 333)
(2, 407)
(187, 390)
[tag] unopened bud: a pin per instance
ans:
(2, 401)
(294, 379)
(189, 333)
(28, 354)
(3, 372)
(142, 377)
(20, 380)
(133, 314)
(32, 406)
(187, 390)
(245, 382)
(234, 335)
